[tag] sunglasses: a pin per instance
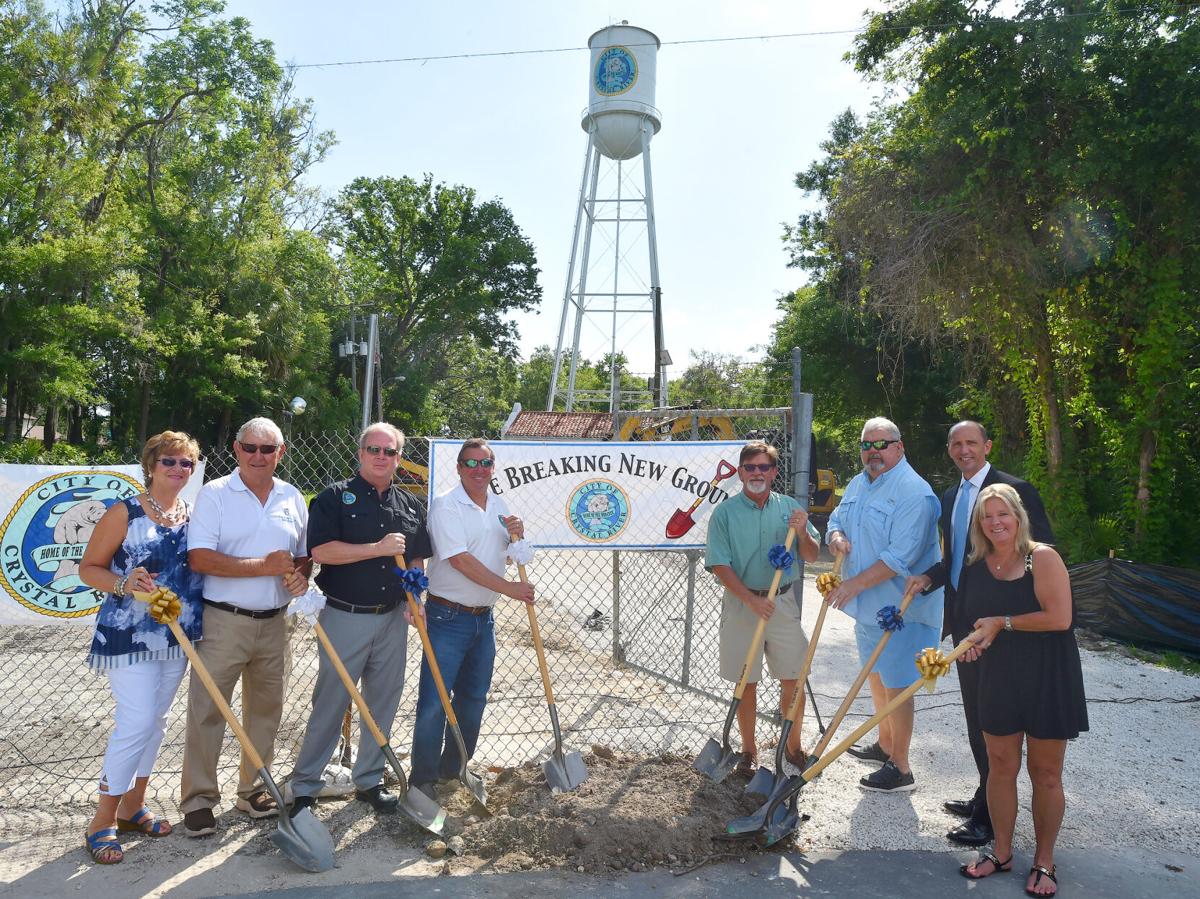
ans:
(755, 467)
(388, 451)
(186, 464)
(265, 448)
(477, 463)
(876, 444)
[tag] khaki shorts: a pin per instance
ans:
(786, 643)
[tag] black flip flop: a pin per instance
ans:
(1042, 872)
(997, 866)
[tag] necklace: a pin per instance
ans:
(171, 518)
(999, 566)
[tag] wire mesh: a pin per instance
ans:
(630, 638)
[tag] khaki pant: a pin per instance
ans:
(785, 643)
(256, 651)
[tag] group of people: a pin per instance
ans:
(978, 565)
(239, 557)
(236, 560)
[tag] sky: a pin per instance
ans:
(739, 119)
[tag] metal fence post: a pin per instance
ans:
(617, 654)
(688, 617)
(802, 412)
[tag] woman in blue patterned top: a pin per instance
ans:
(139, 544)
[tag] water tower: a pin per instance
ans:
(613, 294)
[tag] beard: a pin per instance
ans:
(756, 486)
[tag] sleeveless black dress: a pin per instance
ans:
(1029, 682)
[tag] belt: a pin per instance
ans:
(381, 609)
(458, 607)
(767, 591)
(258, 615)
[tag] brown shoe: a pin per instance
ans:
(199, 823)
(259, 805)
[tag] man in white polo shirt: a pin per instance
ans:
(244, 536)
(471, 529)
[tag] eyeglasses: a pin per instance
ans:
(186, 464)
(477, 463)
(388, 451)
(876, 444)
(265, 448)
(754, 467)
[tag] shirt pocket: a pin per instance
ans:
(877, 522)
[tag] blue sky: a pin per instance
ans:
(739, 120)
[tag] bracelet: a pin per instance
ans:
(1008, 622)
(119, 587)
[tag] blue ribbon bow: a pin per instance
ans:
(780, 558)
(414, 580)
(890, 619)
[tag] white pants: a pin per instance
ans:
(144, 692)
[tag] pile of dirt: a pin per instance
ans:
(631, 814)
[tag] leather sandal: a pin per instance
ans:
(145, 822)
(1043, 872)
(997, 866)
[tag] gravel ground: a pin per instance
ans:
(1125, 783)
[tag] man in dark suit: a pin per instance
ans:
(968, 446)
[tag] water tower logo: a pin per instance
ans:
(616, 71)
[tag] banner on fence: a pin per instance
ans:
(593, 495)
(47, 515)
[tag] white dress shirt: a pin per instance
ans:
(977, 485)
(229, 519)
(457, 525)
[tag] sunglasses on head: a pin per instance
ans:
(754, 467)
(388, 451)
(265, 448)
(477, 463)
(876, 444)
(186, 464)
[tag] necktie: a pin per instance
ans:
(962, 522)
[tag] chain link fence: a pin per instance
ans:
(630, 638)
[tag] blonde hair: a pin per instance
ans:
(980, 544)
(381, 427)
(168, 443)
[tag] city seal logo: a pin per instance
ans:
(598, 510)
(616, 71)
(43, 537)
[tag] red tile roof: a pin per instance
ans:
(561, 426)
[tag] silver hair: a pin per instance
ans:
(881, 424)
(260, 425)
(390, 430)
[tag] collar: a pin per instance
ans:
(459, 494)
(752, 504)
(236, 482)
(978, 478)
(899, 466)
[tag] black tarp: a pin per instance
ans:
(1145, 604)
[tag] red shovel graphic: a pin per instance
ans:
(681, 522)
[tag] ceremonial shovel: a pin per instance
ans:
(718, 759)
(413, 803)
(681, 521)
(764, 781)
(564, 772)
(302, 838)
(771, 827)
(469, 780)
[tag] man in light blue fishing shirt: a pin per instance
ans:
(886, 527)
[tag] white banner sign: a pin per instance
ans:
(47, 515)
(593, 495)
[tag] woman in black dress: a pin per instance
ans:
(1031, 683)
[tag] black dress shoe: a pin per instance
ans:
(971, 833)
(300, 803)
(964, 808)
(378, 799)
(871, 752)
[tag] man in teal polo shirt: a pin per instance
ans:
(740, 534)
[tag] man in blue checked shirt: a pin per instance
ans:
(740, 536)
(886, 527)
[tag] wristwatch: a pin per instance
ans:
(1008, 622)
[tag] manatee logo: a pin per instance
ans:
(43, 537)
(616, 71)
(598, 510)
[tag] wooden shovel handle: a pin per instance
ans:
(536, 632)
(861, 678)
(349, 684)
(865, 727)
(794, 709)
(756, 640)
(415, 610)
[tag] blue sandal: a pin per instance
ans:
(145, 822)
(103, 841)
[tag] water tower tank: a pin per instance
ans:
(621, 89)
